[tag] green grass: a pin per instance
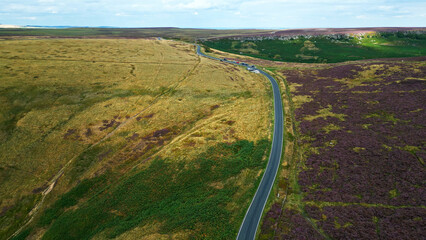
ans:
(22, 235)
(179, 195)
(70, 199)
(13, 218)
(327, 50)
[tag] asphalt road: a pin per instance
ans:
(251, 220)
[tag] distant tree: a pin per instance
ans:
(207, 49)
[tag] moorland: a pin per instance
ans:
(359, 168)
(354, 149)
(183, 34)
(118, 129)
(141, 138)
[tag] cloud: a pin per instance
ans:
(217, 13)
(29, 18)
(361, 17)
(28, 8)
(386, 8)
(199, 4)
(122, 15)
(51, 10)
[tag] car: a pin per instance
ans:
(225, 59)
(253, 66)
(238, 62)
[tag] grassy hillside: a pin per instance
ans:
(127, 138)
(323, 49)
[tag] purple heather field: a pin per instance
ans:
(363, 141)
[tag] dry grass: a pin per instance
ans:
(60, 97)
(325, 113)
(132, 99)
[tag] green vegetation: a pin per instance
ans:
(22, 235)
(383, 115)
(207, 49)
(70, 199)
(180, 195)
(11, 219)
(324, 49)
(326, 113)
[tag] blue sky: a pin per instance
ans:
(216, 13)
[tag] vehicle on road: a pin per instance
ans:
(253, 70)
(254, 212)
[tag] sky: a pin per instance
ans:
(222, 14)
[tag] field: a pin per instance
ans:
(357, 166)
(126, 138)
(326, 49)
(185, 34)
(142, 134)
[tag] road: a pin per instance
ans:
(252, 218)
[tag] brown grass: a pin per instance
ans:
(134, 99)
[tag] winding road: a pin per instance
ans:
(254, 213)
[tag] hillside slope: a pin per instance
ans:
(127, 138)
(325, 48)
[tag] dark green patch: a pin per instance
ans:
(14, 217)
(70, 199)
(324, 49)
(85, 160)
(22, 235)
(179, 195)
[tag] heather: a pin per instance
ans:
(361, 176)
